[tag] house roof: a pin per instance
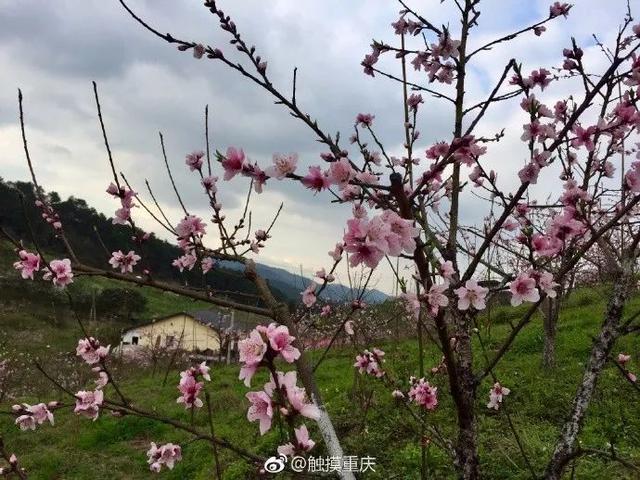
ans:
(221, 320)
(217, 319)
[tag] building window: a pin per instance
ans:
(170, 341)
(134, 340)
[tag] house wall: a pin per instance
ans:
(169, 331)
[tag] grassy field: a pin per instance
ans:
(114, 448)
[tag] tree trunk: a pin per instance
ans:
(602, 345)
(550, 324)
(467, 444)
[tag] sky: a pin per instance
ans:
(53, 50)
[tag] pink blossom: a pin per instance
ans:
(194, 160)
(523, 289)
(529, 173)
(167, 455)
(112, 189)
(281, 341)
(261, 409)
(88, 403)
(447, 270)
(90, 351)
(608, 169)
(298, 400)
(403, 233)
(424, 394)
(126, 196)
(369, 240)
(323, 275)
(400, 27)
(283, 165)
(190, 225)
(233, 163)
(207, 264)
(365, 252)
(369, 61)
(34, 415)
(359, 211)
(209, 184)
(303, 442)
(496, 395)
(190, 389)
(531, 131)
(471, 294)
(367, 178)
(365, 119)
(476, 176)
(438, 150)
(379, 233)
(564, 227)
(341, 172)
(326, 311)
(546, 284)
(26, 422)
(28, 264)
(198, 51)
(122, 215)
(124, 262)
(255, 247)
(414, 100)
(623, 358)
(539, 77)
(261, 235)
(510, 225)
(316, 179)
(247, 372)
(185, 261)
(370, 362)
(446, 47)
(632, 177)
(546, 246)
(411, 304)
(308, 295)
(336, 253)
(436, 298)
(348, 327)
(59, 272)
(584, 136)
(102, 381)
(397, 394)
(558, 9)
(350, 193)
(467, 150)
(541, 158)
(202, 369)
(252, 349)
(198, 370)
(259, 177)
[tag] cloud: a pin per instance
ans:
(53, 50)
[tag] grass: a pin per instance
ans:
(114, 448)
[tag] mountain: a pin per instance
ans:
(86, 229)
(294, 283)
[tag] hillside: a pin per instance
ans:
(80, 220)
(115, 447)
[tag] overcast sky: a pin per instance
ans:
(52, 50)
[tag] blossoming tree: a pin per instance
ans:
(410, 208)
